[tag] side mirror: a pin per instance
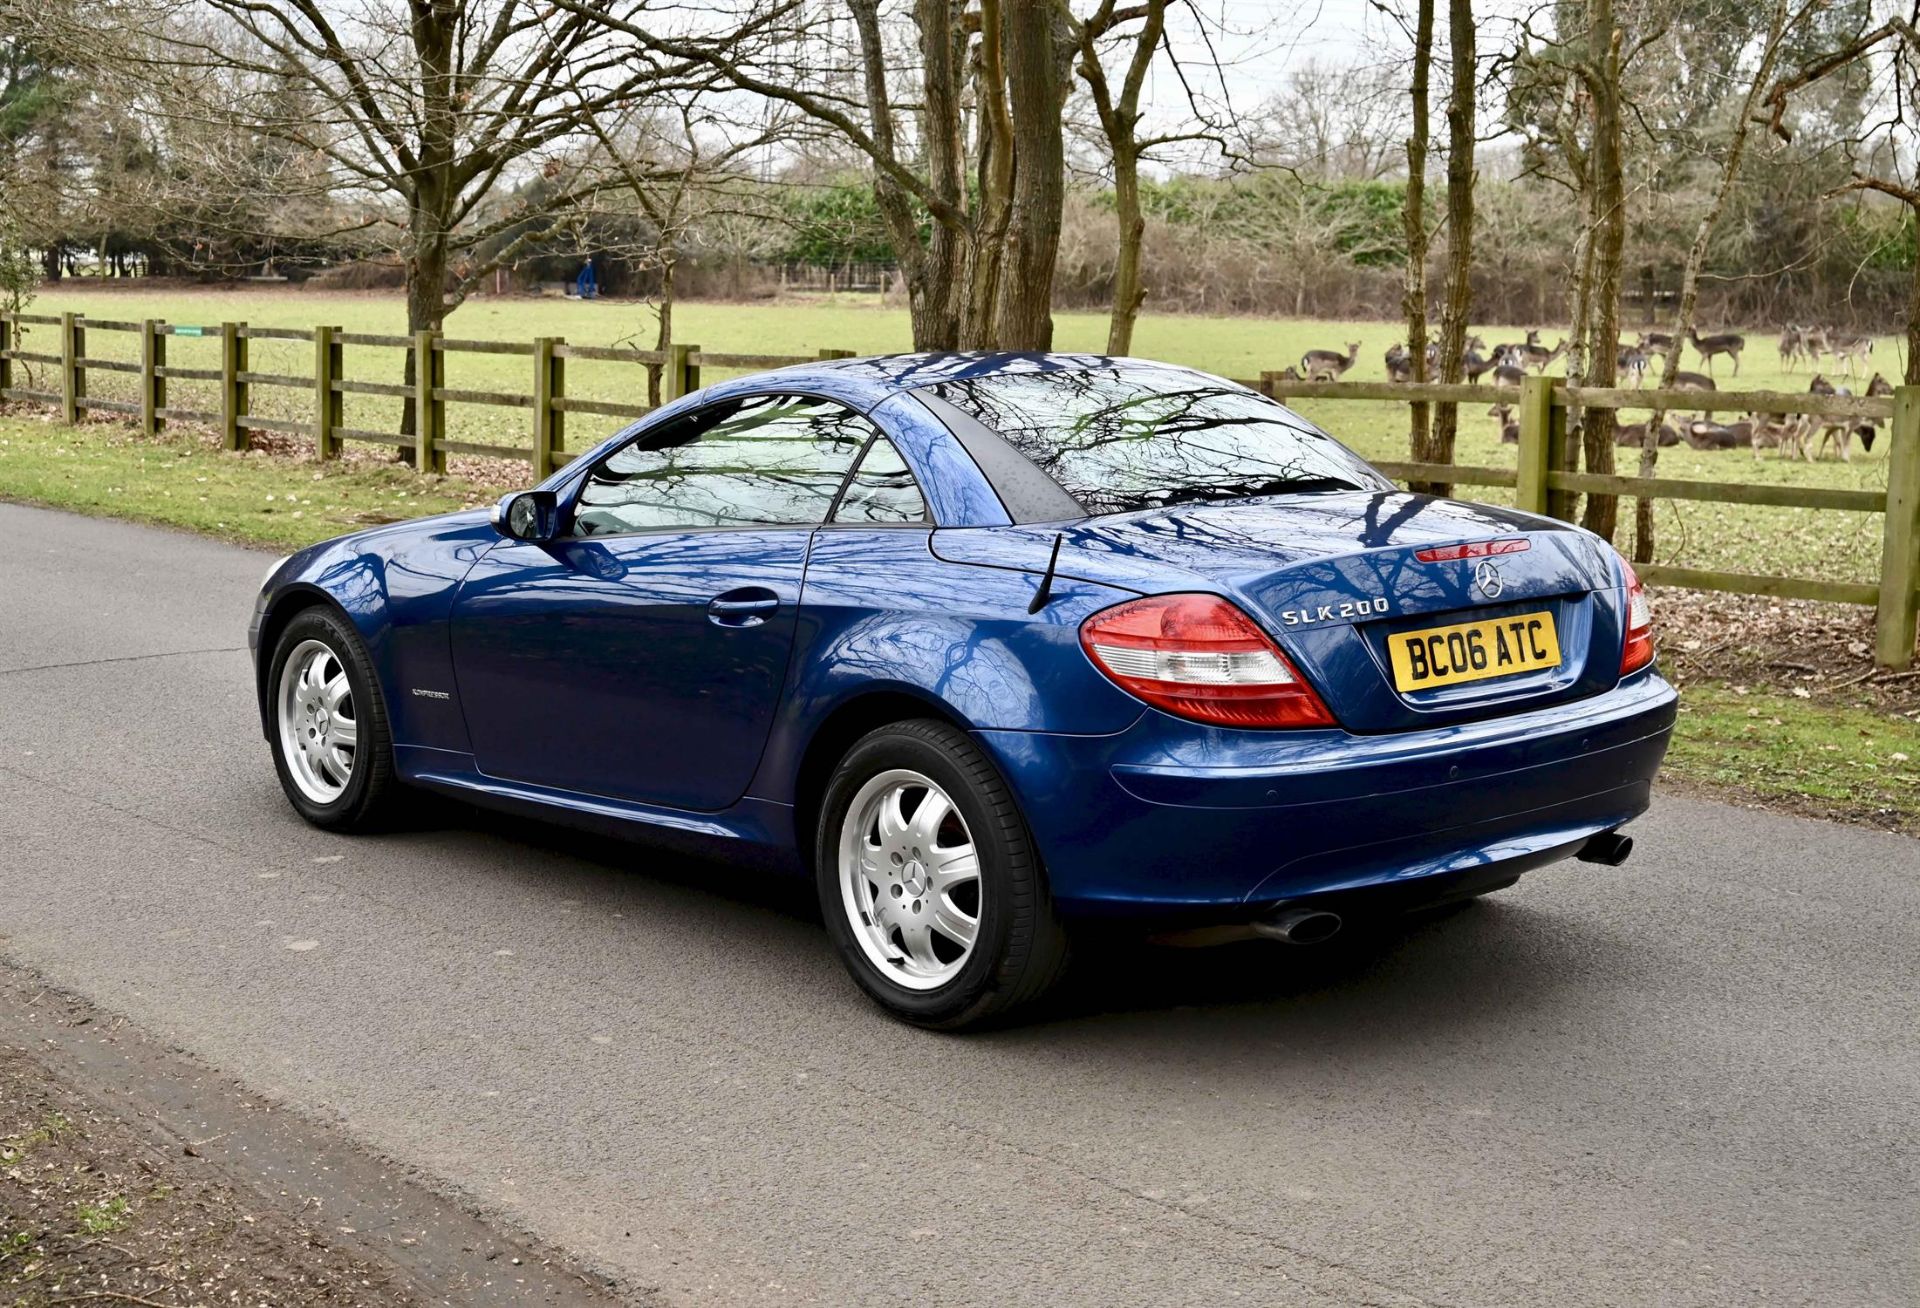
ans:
(528, 515)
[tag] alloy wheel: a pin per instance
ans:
(910, 879)
(319, 732)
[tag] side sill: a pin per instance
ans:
(753, 831)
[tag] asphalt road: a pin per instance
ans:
(1694, 1080)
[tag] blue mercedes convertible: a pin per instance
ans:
(986, 644)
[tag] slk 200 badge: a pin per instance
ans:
(1333, 612)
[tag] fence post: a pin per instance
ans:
(233, 391)
(153, 386)
(429, 411)
(6, 364)
(549, 423)
(683, 375)
(1894, 618)
(1530, 492)
(328, 404)
(1560, 504)
(73, 378)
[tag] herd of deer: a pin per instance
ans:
(1795, 436)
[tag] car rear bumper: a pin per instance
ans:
(1175, 820)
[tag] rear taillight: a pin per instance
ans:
(1637, 652)
(1199, 657)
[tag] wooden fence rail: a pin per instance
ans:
(1543, 480)
(669, 375)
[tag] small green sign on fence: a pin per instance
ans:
(189, 331)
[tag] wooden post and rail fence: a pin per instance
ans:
(1542, 482)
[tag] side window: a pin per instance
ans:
(772, 460)
(882, 489)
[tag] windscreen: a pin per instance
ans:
(1119, 439)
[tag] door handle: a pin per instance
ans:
(746, 607)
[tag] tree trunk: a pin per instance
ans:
(1414, 298)
(1023, 317)
(1129, 289)
(1912, 375)
(1458, 307)
(430, 189)
(426, 296)
(930, 271)
(1610, 216)
(986, 252)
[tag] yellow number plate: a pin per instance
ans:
(1473, 651)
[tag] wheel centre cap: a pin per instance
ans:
(914, 878)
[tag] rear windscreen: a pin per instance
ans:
(1119, 439)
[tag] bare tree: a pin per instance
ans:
(1119, 116)
(984, 274)
(670, 165)
(1580, 73)
(431, 103)
(1332, 122)
(1781, 22)
(1413, 301)
(1882, 158)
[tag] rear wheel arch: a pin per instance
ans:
(839, 732)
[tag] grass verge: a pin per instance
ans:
(1857, 762)
(255, 498)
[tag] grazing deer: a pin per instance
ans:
(1787, 433)
(1635, 433)
(1631, 364)
(1693, 381)
(1703, 434)
(1813, 340)
(1727, 343)
(1400, 367)
(1508, 374)
(1327, 365)
(1513, 351)
(1851, 351)
(1539, 356)
(1476, 365)
(1502, 414)
(1793, 347)
(1838, 430)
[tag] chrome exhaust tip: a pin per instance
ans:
(1609, 847)
(1300, 926)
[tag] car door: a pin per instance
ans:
(642, 654)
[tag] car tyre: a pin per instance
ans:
(897, 893)
(327, 723)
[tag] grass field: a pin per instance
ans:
(1825, 544)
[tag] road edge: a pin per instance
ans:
(289, 1161)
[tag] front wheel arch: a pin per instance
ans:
(290, 604)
